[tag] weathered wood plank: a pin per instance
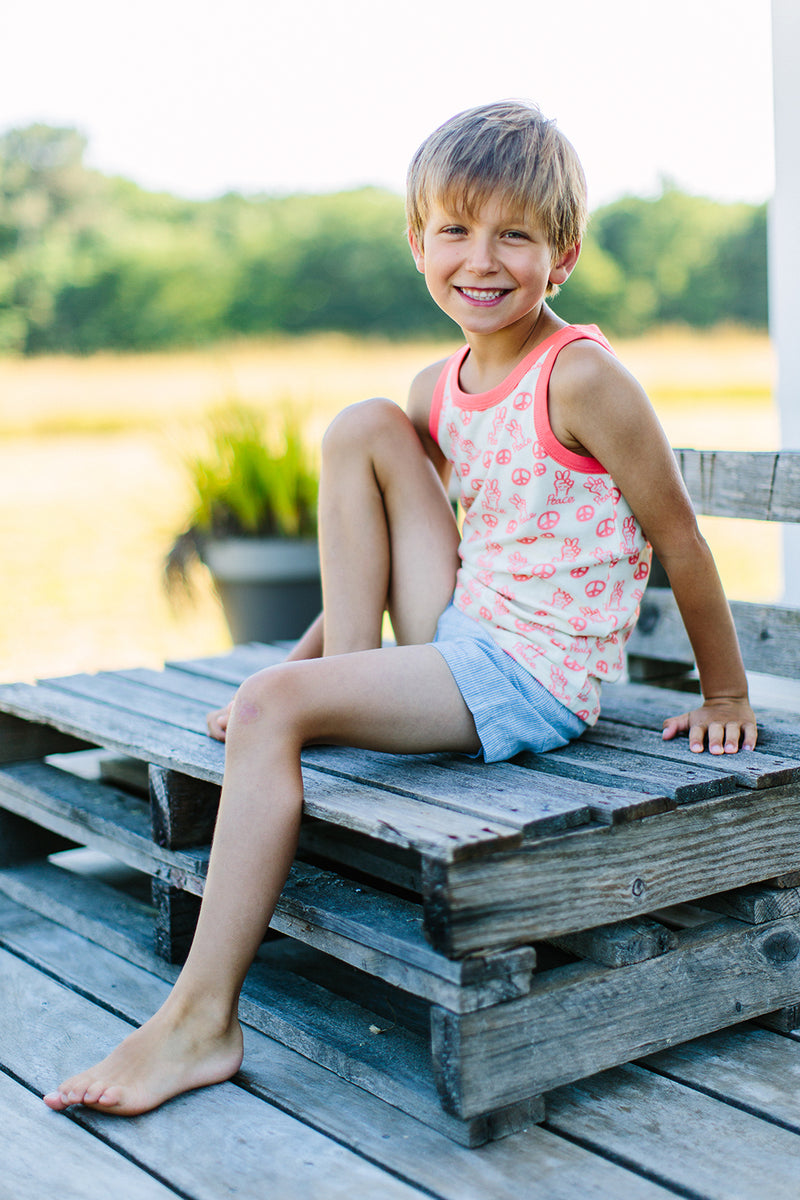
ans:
(43, 1156)
(49, 1031)
(682, 1138)
(513, 798)
(650, 785)
(752, 485)
(717, 975)
(591, 877)
(211, 692)
(378, 933)
(86, 906)
(751, 1067)
(235, 666)
(184, 810)
(21, 739)
(768, 634)
(621, 944)
(175, 920)
(754, 904)
(537, 1164)
(513, 795)
(387, 817)
(757, 769)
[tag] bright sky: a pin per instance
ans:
(199, 97)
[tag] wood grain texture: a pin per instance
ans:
(49, 1031)
(592, 877)
(45, 1155)
(688, 1140)
(716, 976)
(768, 634)
(758, 486)
(537, 1164)
(621, 944)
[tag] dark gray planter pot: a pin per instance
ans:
(270, 588)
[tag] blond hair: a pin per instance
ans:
(507, 148)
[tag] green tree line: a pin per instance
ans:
(92, 262)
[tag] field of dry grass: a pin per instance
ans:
(92, 488)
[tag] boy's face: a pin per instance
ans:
(490, 270)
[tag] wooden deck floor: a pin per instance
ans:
(719, 1117)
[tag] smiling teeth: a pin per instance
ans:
(482, 293)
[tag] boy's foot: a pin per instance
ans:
(153, 1064)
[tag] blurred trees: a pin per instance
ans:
(90, 262)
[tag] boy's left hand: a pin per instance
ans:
(726, 721)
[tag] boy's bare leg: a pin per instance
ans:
(371, 699)
(388, 536)
(375, 534)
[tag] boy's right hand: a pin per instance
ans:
(217, 722)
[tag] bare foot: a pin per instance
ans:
(162, 1059)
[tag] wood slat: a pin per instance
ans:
(754, 770)
(596, 876)
(538, 1164)
(49, 1031)
(717, 975)
(755, 1070)
(379, 933)
(386, 817)
(688, 1141)
(621, 944)
(44, 1157)
(511, 799)
(760, 485)
(647, 785)
(769, 634)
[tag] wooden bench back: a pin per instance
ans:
(760, 486)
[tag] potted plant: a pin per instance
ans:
(254, 525)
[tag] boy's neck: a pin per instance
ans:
(492, 357)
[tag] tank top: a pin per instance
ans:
(553, 561)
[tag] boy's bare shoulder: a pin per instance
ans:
(585, 363)
(420, 394)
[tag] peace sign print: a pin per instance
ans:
(606, 527)
(521, 476)
(504, 457)
(585, 512)
(642, 571)
(548, 519)
(595, 588)
(522, 400)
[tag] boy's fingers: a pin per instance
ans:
(697, 737)
(675, 725)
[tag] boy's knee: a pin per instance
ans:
(360, 425)
(275, 699)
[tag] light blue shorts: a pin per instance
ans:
(512, 710)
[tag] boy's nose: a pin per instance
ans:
(482, 260)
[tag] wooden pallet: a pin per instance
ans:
(436, 946)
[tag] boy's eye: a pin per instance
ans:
(454, 229)
(516, 235)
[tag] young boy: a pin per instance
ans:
(504, 628)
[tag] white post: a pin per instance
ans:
(784, 251)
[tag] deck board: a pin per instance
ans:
(288, 1127)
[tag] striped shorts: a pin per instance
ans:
(512, 710)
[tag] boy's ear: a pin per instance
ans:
(561, 271)
(417, 251)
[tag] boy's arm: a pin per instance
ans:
(420, 397)
(597, 407)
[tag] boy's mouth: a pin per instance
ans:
(483, 295)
